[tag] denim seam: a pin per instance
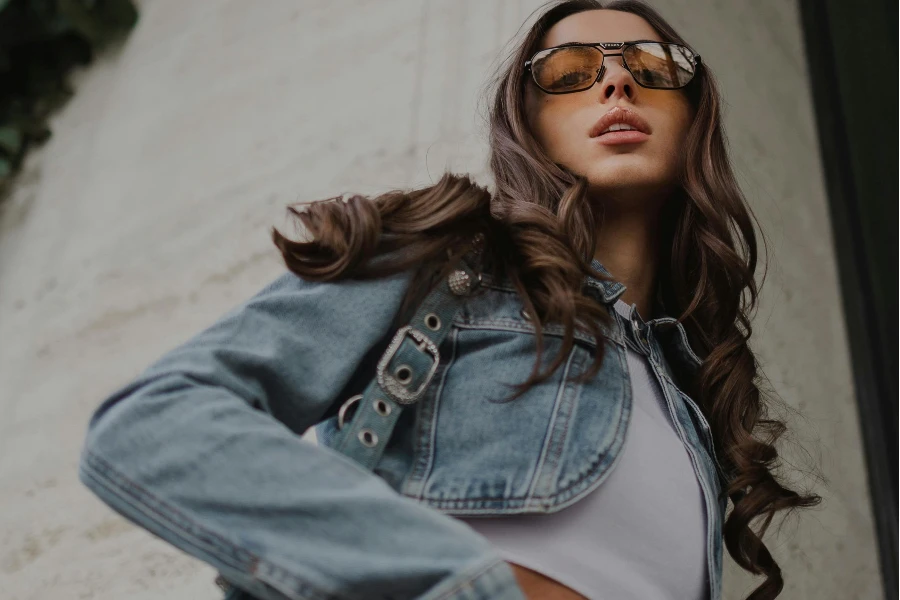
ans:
(496, 286)
(548, 438)
(97, 477)
(618, 428)
(422, 474)
(516, 326)
(449, 504)
(699, 472)
(712, 449)
(473, 580)
(558, 451)
(687, 346)
(100, 468)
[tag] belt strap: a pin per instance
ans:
(403, 374)
(404, 371)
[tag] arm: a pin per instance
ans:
(203, 450)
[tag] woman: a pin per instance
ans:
(478, 492)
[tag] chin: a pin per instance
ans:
(620, 179)
(627, 185)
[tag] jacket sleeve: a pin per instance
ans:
(203, 450)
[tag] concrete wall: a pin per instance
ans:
(146, 218)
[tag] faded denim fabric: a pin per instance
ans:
(203, 448)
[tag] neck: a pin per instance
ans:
(628, 247)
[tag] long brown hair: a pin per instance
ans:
(540, 231)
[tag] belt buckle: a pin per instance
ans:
(342, 413)
(396, 390)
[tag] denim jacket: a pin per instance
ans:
(204, 449)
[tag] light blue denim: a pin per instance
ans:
(203, 448)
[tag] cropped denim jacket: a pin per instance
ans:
(204, 450)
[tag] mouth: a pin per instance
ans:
(613, 138)
(620, 123)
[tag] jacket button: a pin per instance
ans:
(459, 282)
(639, 335)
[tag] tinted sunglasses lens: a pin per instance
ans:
(559, 70)
(660, 65)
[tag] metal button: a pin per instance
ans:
(459, 282)
(639, 335)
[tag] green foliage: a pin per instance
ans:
(40, 42)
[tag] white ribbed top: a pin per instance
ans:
(641, 535)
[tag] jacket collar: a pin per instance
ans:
(606, 291)
(610, 291)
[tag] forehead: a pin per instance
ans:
(599, 26)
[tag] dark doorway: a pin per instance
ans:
(852, 56)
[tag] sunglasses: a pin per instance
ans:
(575, 67)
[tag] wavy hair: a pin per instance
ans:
(540, 231)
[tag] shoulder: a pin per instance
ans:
(291, 293)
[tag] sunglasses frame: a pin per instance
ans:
(601, 46)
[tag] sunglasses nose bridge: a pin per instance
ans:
(603, 62)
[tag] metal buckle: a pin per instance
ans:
(342, 413)
(396, 390)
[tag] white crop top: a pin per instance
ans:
(641, 535)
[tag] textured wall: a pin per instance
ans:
(146, 218)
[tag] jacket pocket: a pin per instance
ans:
(478, 452)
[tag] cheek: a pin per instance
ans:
(559, 133)
(674, 124)
(545, 126)
(550, 133)
(683, 117)
(547, 117)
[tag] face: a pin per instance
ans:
(634, 174)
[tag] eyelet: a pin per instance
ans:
(382, 407)
(432, 321)
(403, 373)
(367, 437)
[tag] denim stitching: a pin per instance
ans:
(556, 452)
(435, 409)
(515, 326)
(471, 582)
(96, 465)
(454, 503)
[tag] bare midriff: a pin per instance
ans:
(540, 587)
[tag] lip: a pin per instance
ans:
(621, 137)
(620, 114)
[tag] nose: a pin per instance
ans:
(616, 80)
